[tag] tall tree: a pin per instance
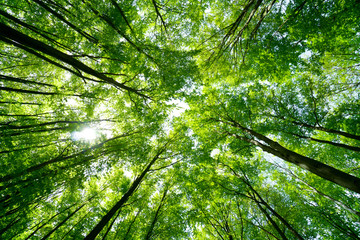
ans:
(155, 119)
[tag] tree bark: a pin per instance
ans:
(353, 148)
(283, 220)
(348, 208)
(20, 80)
(62, 222)
(61, 18)
(130, 226)
(111, 224)
(273, 223)
(97, 229)
(57, 159)
(152, 225)
(14, 35)
(320, 169)
(8, 89)
(319, 128)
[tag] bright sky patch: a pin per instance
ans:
(87, 134)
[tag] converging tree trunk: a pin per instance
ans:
(19, 38)
(105, 219)
(320, 169)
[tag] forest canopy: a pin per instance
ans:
(128, 119)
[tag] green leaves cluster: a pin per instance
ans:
(263, 145)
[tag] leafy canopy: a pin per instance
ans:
(126, 119)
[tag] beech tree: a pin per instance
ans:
(125, 119)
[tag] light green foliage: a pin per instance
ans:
(262, 145)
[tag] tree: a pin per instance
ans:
(179, 120)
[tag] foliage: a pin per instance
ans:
(179, 119)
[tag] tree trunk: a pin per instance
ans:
(151, 228)
(111, 224)
(58, 159)
(328, 130)
(61, 18)
(97, 229)
(32, 43)
(130, 226)
(273, 223)
(353, 148)
(283, 220)
(62, 222)
(320, 169)
(20, 80)
(348, 208)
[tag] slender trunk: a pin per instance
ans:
(237, 22)
(61, 18)
(32, 147)
(241, 221)
(256, 197)
(97, 229)
(9, 225)
(230, 37)
(10, 212)
(342, 228)
(15, 133)
(108, 20)
(152, 225)
(29, 50)
(7, 126)
(50, 173)
(273, 223)
(21, 103)
(130, 225)
(263, 14)
(114, 3)
(43, 224)
(216, 229)
(228, 232)
(8, 89)
(328, 130)
(58, 159)
(348, 208)
(20, 80)
(5, 198)
(158, 14)
(72, 227)
(263, 229)
(97, 57)
(25, 115)
(297, 235)
(62, 222)
(62, 211)
(211, 223)
(27, 148)
(353, 148)
(18, 37)
(111, 224)
(36, 30)
(320, 169)
(59, 7)
(323, 129)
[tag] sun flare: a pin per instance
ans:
(87, 134)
